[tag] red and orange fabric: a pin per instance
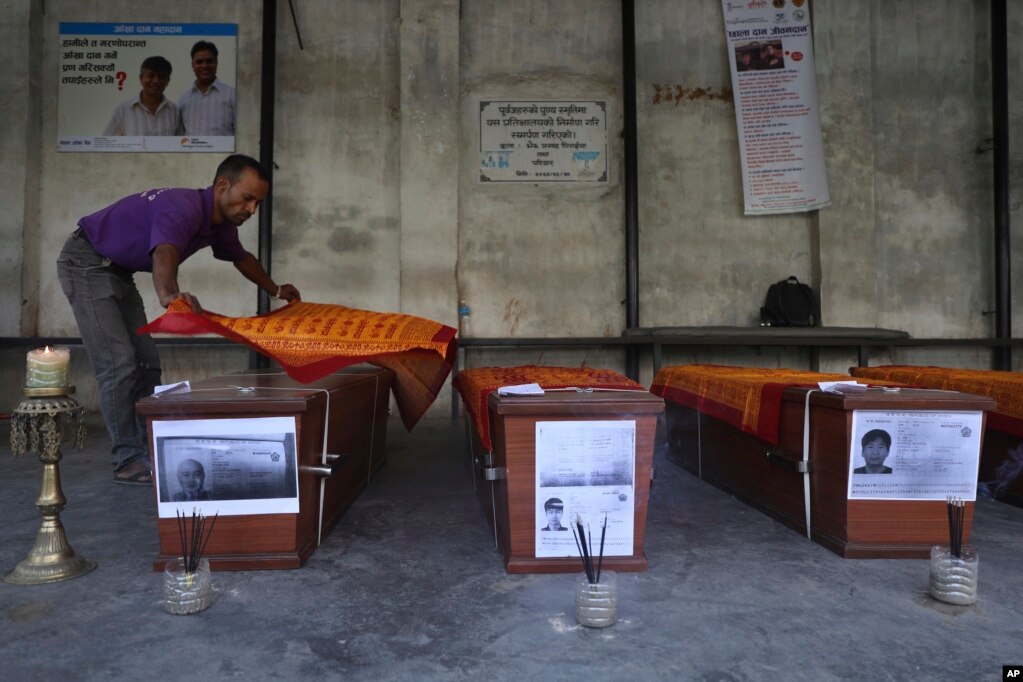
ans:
(748, 398)
(476, 384)
(311, 340)
(1005, 387)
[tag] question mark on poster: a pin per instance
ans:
(120, 75)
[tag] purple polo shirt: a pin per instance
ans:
(127, 231)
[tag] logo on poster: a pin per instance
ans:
(966, 432)
(799, 15)
(797, 56)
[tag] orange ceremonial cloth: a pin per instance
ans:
(748, 398)
(311, 340)
(476, 384)
(1005, 387)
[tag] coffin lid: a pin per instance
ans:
(903, 399)
(575, 403)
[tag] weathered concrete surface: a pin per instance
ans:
(701, 261)
(541, 259)
(933, 212)
(337, 216)
(1015, 70)
(378, 203)
(19, 138)
(848, 248)
(429, 158)
(410, 587)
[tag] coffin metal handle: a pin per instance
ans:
(333, 465)
(488, 472)
(495, 473)
(791, 464)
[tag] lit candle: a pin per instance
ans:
(47, 368)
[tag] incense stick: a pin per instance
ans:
(193, 539)
(956, 523)
(592, 564)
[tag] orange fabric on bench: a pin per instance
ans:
(1005, 387)
(748, 398)
(476, 384)
(311, 340)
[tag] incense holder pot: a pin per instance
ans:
(185, 593)
(596, 604)
(954, 579)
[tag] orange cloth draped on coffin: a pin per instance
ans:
(1005, 387)
(311, 340)
(748, 398)
(476, 384)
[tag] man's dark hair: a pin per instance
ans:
(158, 65)
(553, 503)
(233, 166)
(875, 434)
(204, 45)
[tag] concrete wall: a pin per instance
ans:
(541, 259)
(337, 211)
(19, 139)
(378, 204)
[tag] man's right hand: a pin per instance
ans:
(188, 298)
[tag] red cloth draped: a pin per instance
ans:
(1005, 387)
(748, 398)
(476, 384)
(311, 340)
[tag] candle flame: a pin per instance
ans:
(47, 349)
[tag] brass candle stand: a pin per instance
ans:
(45, 418)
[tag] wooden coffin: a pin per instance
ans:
(349, 407)
(768, 476)
(1001, 466)
(1001, 460)
(505, 480)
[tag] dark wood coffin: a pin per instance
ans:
(356, 432)
(1001, 466)
(768, 477)
(505, 480)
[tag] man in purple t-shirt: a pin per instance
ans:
(153, 231)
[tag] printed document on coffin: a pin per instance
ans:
(589, 467)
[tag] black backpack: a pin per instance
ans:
(790, 303)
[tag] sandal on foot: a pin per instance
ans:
(139, 478)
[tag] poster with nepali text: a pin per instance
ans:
(136, 87)
(770, 53)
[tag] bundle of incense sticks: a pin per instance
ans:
(956, 519)
(193, 540)
(585, 546)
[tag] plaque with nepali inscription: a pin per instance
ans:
(543, 141)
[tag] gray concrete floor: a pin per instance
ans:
(410, 587)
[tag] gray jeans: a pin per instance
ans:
(108, 310)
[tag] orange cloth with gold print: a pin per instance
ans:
(311, 340)
(748, 398)
(1005, 387)
(476, 384)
